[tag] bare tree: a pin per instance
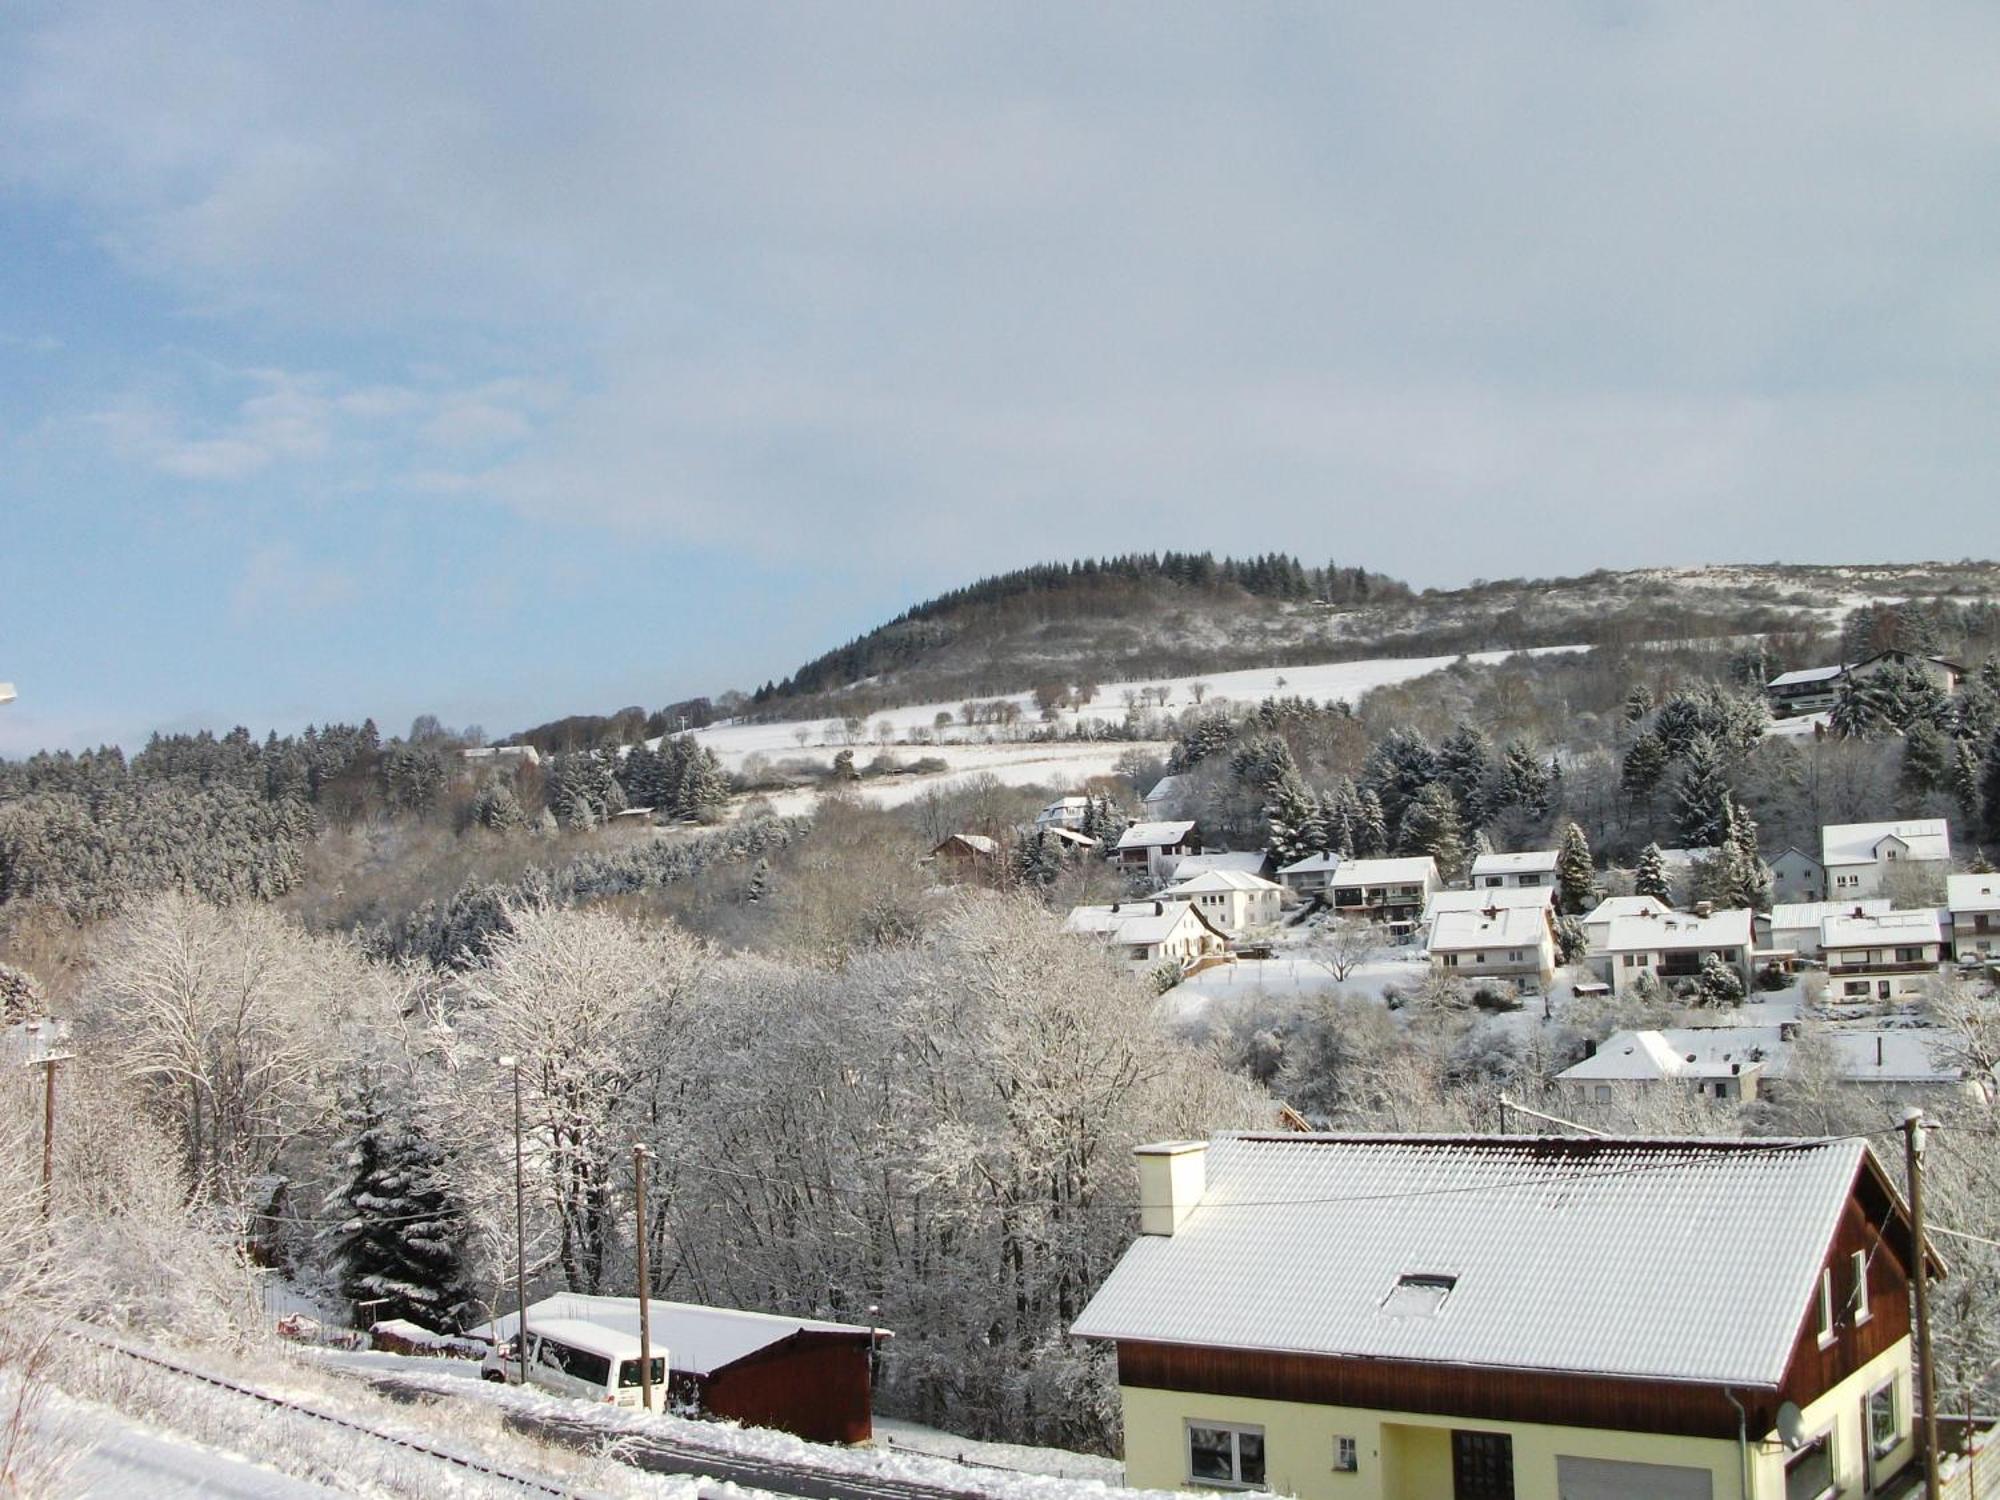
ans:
(1341, 944)
(1198, 691)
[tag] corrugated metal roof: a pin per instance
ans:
(1664, 1260)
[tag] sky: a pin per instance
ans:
(506, 361)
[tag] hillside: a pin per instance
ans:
(1143, 617)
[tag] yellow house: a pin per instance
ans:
(1481, 1318)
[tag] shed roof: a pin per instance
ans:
(697, 1340)
(1154, 835)
(1674, 1260)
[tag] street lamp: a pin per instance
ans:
(520, 1238)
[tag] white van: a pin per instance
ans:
(586, 1360)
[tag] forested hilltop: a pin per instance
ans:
(1148, 615)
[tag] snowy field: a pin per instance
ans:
(910, 732)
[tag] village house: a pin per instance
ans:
(1860, 857)
(1309, 876)
(1148, 933)
(1810, 690)
(1232, 900)
(1894, 1065)
(1532, 867)
(799, 1375)
(1069, 840)
(1596, 922)
(1889, 956)
(1157, 848)
(1673, 947)
(1974, 904)
(1716, 1062)
(501, 755)
(1516, 943)
(1440, 902)
(967, 856)
(1948, 675)
(1513, 1316)
(1167, 795)
(1796, 876)
(1390, 891)
(1064, 812)
(1794, 927)
(1248, 861)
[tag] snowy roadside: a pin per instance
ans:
(1008, 1480)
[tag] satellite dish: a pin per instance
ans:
(1791, 1425)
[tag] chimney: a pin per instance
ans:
(1704, 908)
(1172, 1177)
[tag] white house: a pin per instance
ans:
(1807, 691)
(1532, 897)
(1673, 947)
(1157, 848)
(1064, 812)
(1974, 904)
(1390, 891)
(1499, 942)
(1717, 1062)
(1859, 857)
(1597, 921)
(502, 755)
(1796, 876)
(1146, 933)
(1795, 925)
(1905, 1063)
(1889, 956)
(1164, 800)
(1531, 867)
(1232, 900)
(1309, 875)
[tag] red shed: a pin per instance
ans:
(800, 1375)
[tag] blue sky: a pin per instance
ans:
(502, 362)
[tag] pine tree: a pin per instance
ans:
(1927, 761)
(1524, 781)
(1288, 817)
(1371, 825)
(1964, 781)
(758, 886)
(496, 807)
(1576, 875)
(399, 1242)
(1702, 794)
(1734, 876)
(1645, 766)
(1465, 764)
(1431, 826)
(1650, 878)
(1638, 703)
(1989, 788)
(1719, 984)
(1858, 710)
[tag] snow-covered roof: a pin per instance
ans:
(1905, 1054)
(1409, 870)
(1683, 1052)
(1855, 843)
(1611, 908)
(1679, 930)
(1165, 790)
(1788, 916)
(1596, 1256)
(1208, 882)
(1805, 675)
(1527, 896)
(1154, 835)
(1887, 929)
(1527, 862)
(1685, 859)
(976, 841)
(1249, 861)
(1069, 836)
(1972, 892)
(1132, 922)
(1312, 864)
(697, 1340)
(1064, 805)
(1494, 927)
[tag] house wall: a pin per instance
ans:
(1797, 877)
(1616, 973)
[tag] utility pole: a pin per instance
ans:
(1913, 1157)
(520, 1238)
(639, 1156)
(48, 1134)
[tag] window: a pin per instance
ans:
(1451, 960)
(1631, 960)
(1418, 1295)
(1858, 1266)
(1809, 1471)
(628, 1373)
(1885, 1429)
(1345, 1459)
(1232, 1457)
(1909, 955)
(1479, 958)
(1604, 1093)
(1482, 1466)
(1825, 1306)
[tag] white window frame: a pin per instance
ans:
(1877, 1450)
(1237, 1431)
(1346, 1455)
(1862, 1311)
(1827, 1331)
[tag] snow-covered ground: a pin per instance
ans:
(1800, 727)
(911, 732)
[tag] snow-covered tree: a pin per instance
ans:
(398, 1239)
(1650, 876)
(1576, 873)
(1431, 826)
(1701, 794)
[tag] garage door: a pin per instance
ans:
(1608, 1479)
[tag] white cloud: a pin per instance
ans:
(275, 581)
